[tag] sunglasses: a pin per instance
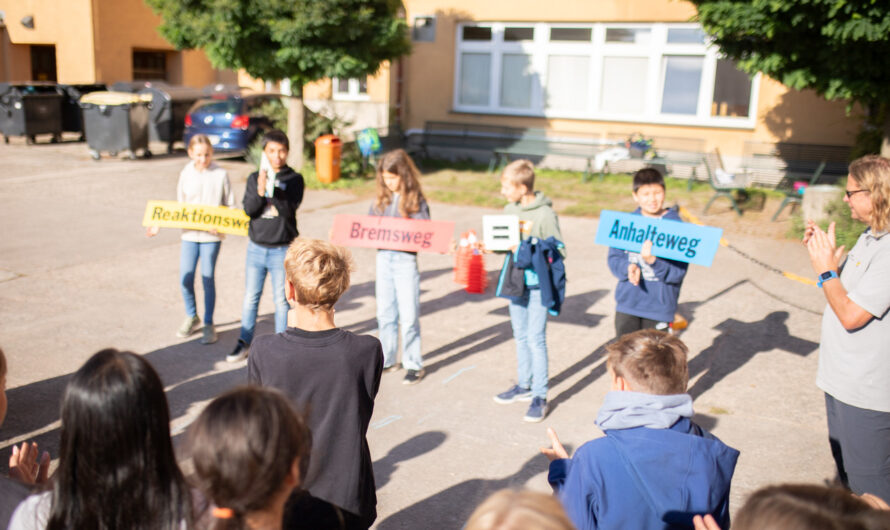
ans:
(849, 193)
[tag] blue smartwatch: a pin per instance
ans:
(825, 276)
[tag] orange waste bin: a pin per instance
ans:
(327, 158)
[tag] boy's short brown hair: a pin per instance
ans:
(521, 173)
(653, 362)
(2, 363)
(319, 272)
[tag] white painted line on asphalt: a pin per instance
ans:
(457, 373)
(385, 421)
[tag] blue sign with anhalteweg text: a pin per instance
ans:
(674, 240)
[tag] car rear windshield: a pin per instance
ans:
(226, 106)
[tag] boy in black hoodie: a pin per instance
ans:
(271, 200)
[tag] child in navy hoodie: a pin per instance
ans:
(648, 286)
(654, 468)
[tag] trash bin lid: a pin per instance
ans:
(327, 139)
(114, 98)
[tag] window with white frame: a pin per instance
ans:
(351, 88)
(654, 73)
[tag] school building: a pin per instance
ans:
(94, 41)
(606, 69)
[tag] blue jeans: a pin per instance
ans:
(398, 302)
(528, 317)
(261, 260)
(188, 263)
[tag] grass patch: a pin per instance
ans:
(469, 183)
(360, 185)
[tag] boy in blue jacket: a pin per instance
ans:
(655, 468)
(648, 286)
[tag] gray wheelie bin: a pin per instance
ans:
(30, 109)
(169, 106)
(116, 121)
(72, 115)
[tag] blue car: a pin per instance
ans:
(231, 121)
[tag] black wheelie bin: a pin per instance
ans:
(116, 121)
(72, 115)
(169, 106)
(29, 109)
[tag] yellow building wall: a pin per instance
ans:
(428, 77)
(378, 86)
(69, 28)
(95, 39)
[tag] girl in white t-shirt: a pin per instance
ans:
(200, 182)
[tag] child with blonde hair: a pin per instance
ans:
(201, 181)
(397, 288)
(519, 510)
(331, 376)
(541, 291)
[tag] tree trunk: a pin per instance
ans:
(295, 127)
(885, 143)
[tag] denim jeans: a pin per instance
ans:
(261, 260)
(529, 320)
(188, 264)
(398, 302)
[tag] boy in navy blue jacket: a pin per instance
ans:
(648, 286)
(655, 468)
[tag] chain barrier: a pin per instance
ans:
(688, 217)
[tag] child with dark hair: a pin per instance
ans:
(24, 469)
(250, 450)
(648, 286)
(116, 463)
(655, 468)
(271, 199)
(331, 376)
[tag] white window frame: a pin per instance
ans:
(540, 48)
(352, 95)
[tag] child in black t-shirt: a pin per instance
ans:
(331, 376)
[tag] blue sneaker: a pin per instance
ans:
(536, 411)
(516, 393)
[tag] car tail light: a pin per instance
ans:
(188, 120)
(240, 121)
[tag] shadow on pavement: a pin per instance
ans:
(411, 448)
(451, 507)
(738, 343)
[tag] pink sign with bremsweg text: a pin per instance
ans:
(392, 233)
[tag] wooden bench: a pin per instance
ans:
(781, 165)
(543, 142)
(451, 135)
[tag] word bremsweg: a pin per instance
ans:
(670, 239)
(172, 214)
(392, 233)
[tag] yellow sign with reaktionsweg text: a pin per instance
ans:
(172, 214)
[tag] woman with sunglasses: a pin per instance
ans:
(854, 356)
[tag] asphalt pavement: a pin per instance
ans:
(77, 274)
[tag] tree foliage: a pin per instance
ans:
(839, 48)
(300, 40)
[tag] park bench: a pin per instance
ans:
(450, 135)
(674, 157)
(782, 165)
(544, 142)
